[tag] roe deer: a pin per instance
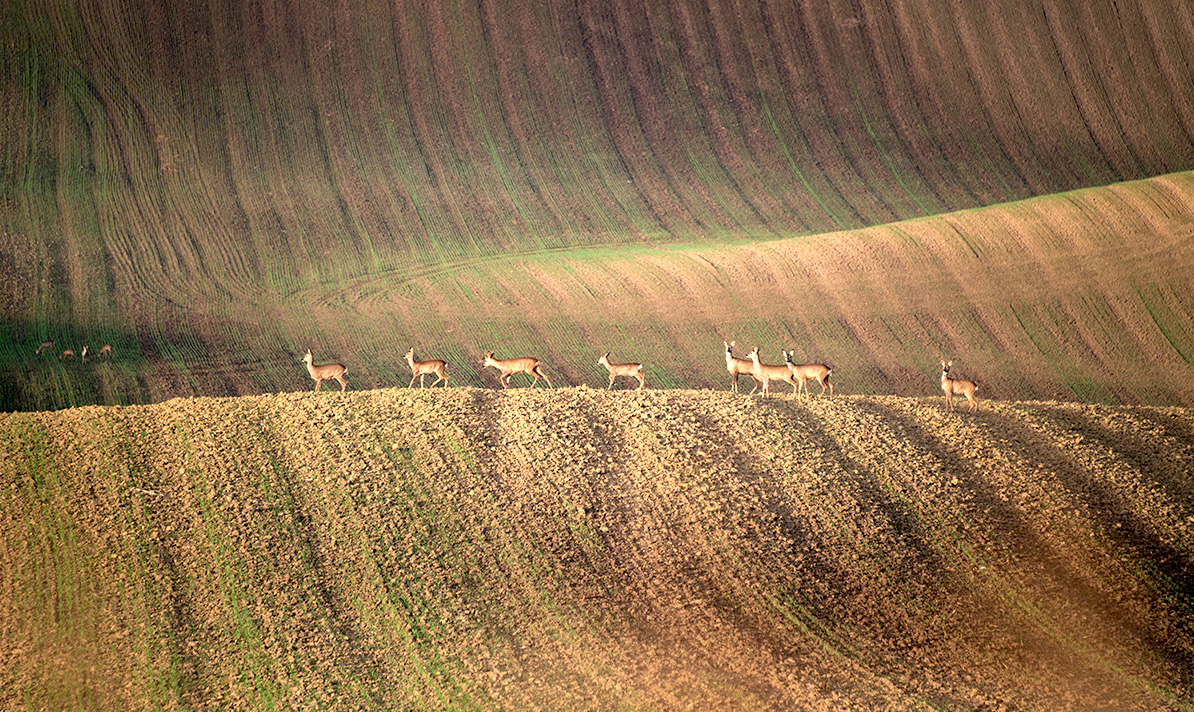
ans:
(419, 369)
(44, 346)
(767, 374)
(83, 356)
(957, 386)
(738, 366)
(106, 350)
(633, 370)
(319, 374)
(69, 353)
(810, 371)
(511, 366)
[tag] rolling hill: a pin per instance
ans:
(578, 549)
(217, 187)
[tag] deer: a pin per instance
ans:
(511, 366)
(68, 353)
(105, 350)
(633, 370)
(738, 366)
(83, 355)
(45, 345)
(419, 369)
(957, 386)
(319, 374)
(767, 374)
(810, 371)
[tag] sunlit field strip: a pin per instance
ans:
(882, 306)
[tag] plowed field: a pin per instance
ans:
(214, 188)
(580, 549)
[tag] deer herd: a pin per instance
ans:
(761, 374)
(795, 375)
(105, 351)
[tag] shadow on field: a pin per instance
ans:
(1050, 558)
(48, 381)
(858, 482)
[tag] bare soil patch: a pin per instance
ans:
(579, 549)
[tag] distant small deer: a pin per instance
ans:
(45, 345)
(953, 386)
(511, 366)
(633, 370)
(83, 355)
(767, 374)
(419, 369)
(319, 374)
(106, 350)
(68, 353)
(808, 372)
(737, 367)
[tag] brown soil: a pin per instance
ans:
(579, 549)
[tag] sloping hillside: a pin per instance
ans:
(1085, 296)
(578, 549)
(198, 183)
(436, 128)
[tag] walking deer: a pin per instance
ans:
(808, 372)
(105, 350)
(511, 366)
(633, 370)
(767, 374)
(957, 386)
(69, 353)
(45, 345)
(319, 374)
(738, 366)
(419, 369)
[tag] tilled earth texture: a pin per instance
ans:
(578, 549)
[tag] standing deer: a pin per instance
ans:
(83, 356)
(633, 370)
(738, 366)
(69, 353)
(511, 366)
(810, 371)
(106, 350)
(767, 374)
(957, 386)
(44, 346)
(319, 374)
(419, 369)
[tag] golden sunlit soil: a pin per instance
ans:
(581, 549)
